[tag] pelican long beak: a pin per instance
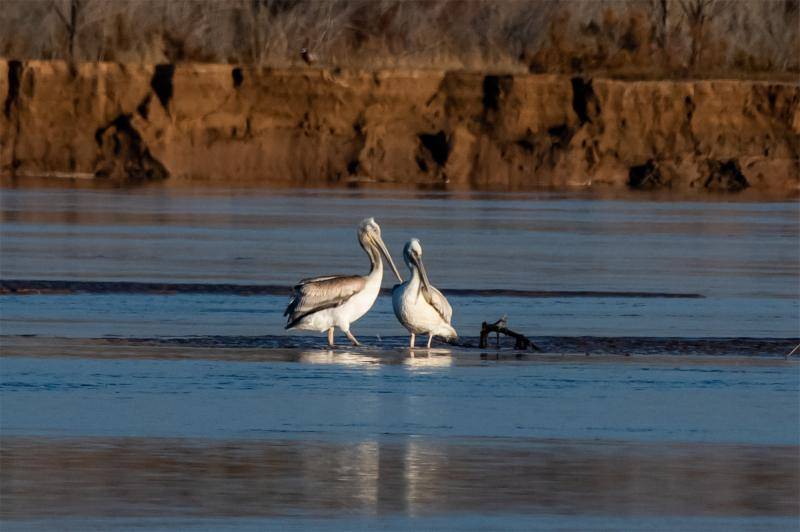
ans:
(382, 247)
(423, 273)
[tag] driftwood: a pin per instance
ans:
(521, 342)
(793, 351)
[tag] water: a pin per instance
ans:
(741, 257)
(197, 410)
(545, 242)
(346, 394)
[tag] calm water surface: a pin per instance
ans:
(189, 411)
(742, 257)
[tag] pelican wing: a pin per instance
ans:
(320, 293)
(319, 279)
(437, 300)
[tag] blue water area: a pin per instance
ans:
(742, 257)
(360, 440)
(349, 395)
(549, 242)
(95, 315)
(110, 390)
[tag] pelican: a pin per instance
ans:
(322, 303)
(420, 307)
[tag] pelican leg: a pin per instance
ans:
(412, 341)
(330, 337)
(430, 337)
(352, 338)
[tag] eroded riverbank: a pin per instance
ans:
(131, 123)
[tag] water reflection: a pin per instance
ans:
(410, 476)
(337, 477)
(423, 462)
(372, 360)
(343, 358)
(424, 358)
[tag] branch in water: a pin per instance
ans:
(521, 342)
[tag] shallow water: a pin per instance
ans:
(743, 258)
(126, 436)
(130, 409)
(445, 394)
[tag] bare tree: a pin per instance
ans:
(70, 20)
(697, 13)
(739, 37)
(257, 38)
(662, 14)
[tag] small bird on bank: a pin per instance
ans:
(323, 303)
(309, 57)
(420, 307)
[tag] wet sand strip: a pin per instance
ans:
(52, 477)
(39, 287)
(392, 349)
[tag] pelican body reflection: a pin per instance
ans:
(412, 360)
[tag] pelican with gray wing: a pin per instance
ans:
(324, 303)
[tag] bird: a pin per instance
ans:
(323, 303)
(420, 307)
(308, 56)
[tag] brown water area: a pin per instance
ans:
(138, 476)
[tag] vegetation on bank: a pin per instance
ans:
(648, 39)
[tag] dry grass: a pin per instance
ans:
(624, 38)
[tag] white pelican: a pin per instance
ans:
(322, 303)
(420, 307)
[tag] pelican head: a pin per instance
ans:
(412, 254)
(369, 234)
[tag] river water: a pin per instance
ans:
(660, 397)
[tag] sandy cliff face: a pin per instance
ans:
(130, 123)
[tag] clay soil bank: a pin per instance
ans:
(110, 123)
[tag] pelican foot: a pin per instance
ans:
(352, 338)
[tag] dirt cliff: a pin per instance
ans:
(118, 123)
